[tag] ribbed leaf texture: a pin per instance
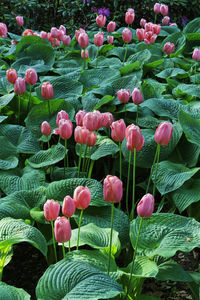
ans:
(190, 126)
(8, 292)
(171, 270)
(13, 210)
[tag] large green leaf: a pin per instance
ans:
(178, 39)
(8, 292)
(13, 210)
(105, 146)
(171, 176)
(8, 153)
(4, 100)
(187, 89)
(171, 270)
(16, 231)
(76, 280)
(141, 57)
(5, 86)
(193, 26)
(164, 234)
(191, 127)
(172, 72)
(152, 89)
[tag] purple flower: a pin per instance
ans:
(184, 20)
(88, 1)
(104, 11)
(94, 9)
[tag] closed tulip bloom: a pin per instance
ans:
(135, 139)
(118, 129)
(112, 189)
(91, 139)
(131, 10)
(156, 8)
(60, 35)
(11, 75)
(149, 37)
(66, 40)
(45, 128)
(169, 48)
(140, 34)
(195, 55)
(129, 17)
(78, 32)
(111, 26)
(137, 96)
(163, 133)
(83, 40)
(92, 121)
(44, 35)
(61, 115)
(164, 9)
(173, 24)
(82, 197)
(127, 35)
(84, 53)
(20, 86)
(31, 76)
(62, 230)
(56, 43)
(101, 20)
(3, 30)
(79, 117)
(47, 90)
(156, 28)
(98, 39)
(107, 119)
(51, 210)
(142, 22)
(54, 32)
(110, 39)
(65, 129)
(27, 32)
(166, 20)
(145, 207)
(123, 95)
(148, 26)
(62, 27)
(20, 20)
(81, 135)
(68, 207)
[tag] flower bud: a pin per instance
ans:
(135, 139)
(44, 35)
(101, 20)
(168, 48)
(137, 96)
(166, 20)
(47, 90)
(129, 17)
(195, 55)
(148, 26)
(91, 139)
(3, 30)
(156, 8)
(20, 20)
(65, 129)
(127, 35)
(112, 189)
(56, 43)
(124, 95)
(84, 53)
(79, 117)
(146, 206)
(82, 197)
(62, 27)
(156, 29)
(118, 129)
(61, 115)
(20, 86)
(54, 32)
(45, 128)
(92, 120)
(66, 40)
(68, 207)
(62, 230)
(83, 40)
(78, 32)
(11, 75)
(111, 26)
(110, 39)
(60, 35)
(107, 119)
(142, 22)
(164, 9)
(140, 34)
(163, 133)
(51, 210)
(31, 76)
(81, 135)
(27, 32)
(98, 39)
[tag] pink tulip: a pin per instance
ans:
(164, 9)
(127, 35)
(149, 37)
(111, 26)
(92, 121)
(66, 40)
(131, 10)
(20, 86)
(124, 95)
(20, 20)
(62, 230)
(129, 17)
(195, 55)
(82, 197)
(91, 139)
(11, 75)
(173, 24)
(62, 27)
(44, 35)
(65, 129)
(81, 135)
(118, 129)
(148, 26)
(110, 39)
(84, 53)
(98, 39)
(68, 207)
(134, 138)
(27, 32)
(61, 115)
(101, 20)
(3, 30)
(54, 32)
(45, 128)
(79, 117)
(60, 35)
(140, 34)
(145, 207)
(31, 76)
(166, 20)
(163, 133)
(47, 90)
(137, 96)
(56, 43)
(78, 32)
(156, 28)
(83, 40)
(13, 42)
(168, 48)
(51, 210)
(156, 8)
(107, 119)
(112, 189)
(142, 22)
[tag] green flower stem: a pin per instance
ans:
(65, 157)
(48, 144)
(69, 239)
(84, 159)
(79, 162)
(152, 170)
(133, 198)
(125, 53)
(19, 109)
(63, 249)
(137, 114)
(134, 255)
(195, 74)
(49, 107)
(128, 180)
(4, 253)
(97, 56)
(155, 18)
(158, 155)
(120, 166)
(111, 234)
(79, 227)
(91, 167)
(54, 242)
(29, 99)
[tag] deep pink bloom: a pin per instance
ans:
(111, 26)
(83, 40)
(78, 32)
(44, 35)
(156, 28)
(79, 117)
(140, 34)
(110, 39)
(54, 32)
(11, 75)
(62, 230)
(27, 32)
(142, 22)
(81, 135)
(3, 30)
(124, 95)
(92, 120)
(196, 54)
(66, 40)
(137, 96)
(56, 43)
(98, 39)
(107, 119)
(65, 129)
(112, 189)
(31, 76)
(61, 115)
(129, 17)
(20, 20)
(68, 207)
(91, 139)
(45, 128)
(51, 210)
(60, 35)
(131, 10)
(135, 139)
(118, 129)
(145, 207)
(163, 133)
(156, 8)
(149, 37)
(82, 197)
(166, 20)
(84, 53)
(164, 9)
(20, 86)
(148, 26)
(127, 35)
(62, 27)
(47, 90)
(101, 20)
(168, 48)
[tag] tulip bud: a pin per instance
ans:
(20, 20)
(62, 27)
(110, 39)
(156, 29)
(163, 133)
(131, 10)
(81, 135)
(82, 197)
(92, 120)
(56, 43)
(45, 128)
(11, 75)
(79, 117)
(60, 35)
(31, 76)
(129, 17)
(3, 30)
(112, 189)
(98, 39)
(137, 96)
(123, 95)
(47, 90)
(118, 129)
(83, 40)
(66, 40)
(173, 24)
(91, 139)
(135, 139)
(164, 9)
(84, 53)
(166, 20)
(78, 32)
(51, 210)
(140, 34)
(195, 55)
(101, 20)
(44, 35)
(107, 119)
(149, 37)
(68, 207)
(62, 230)
(146, 206)
(65, 129)
(156, 8)
(142, 22)
(168, 48)
(127, 35)
(148, 26)
(27, 32)
(54, 32)
(111, 26)
(61, 115)
(20, 86)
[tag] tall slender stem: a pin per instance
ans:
(49, 107)
(111, 234)
(128, 180)
(19, 109)
(152, 169)
(97, 56)
(137, 114)
(79, 162)
(65, 157)
(158, 155)
(29, 99)
(63, 249)
(91, 167)
(133, 196)
(2, 261)
(155, 18)
(54, 242)
(69, 239)
(125, 53)
(84, 159)
(120, 167)
(79, 227)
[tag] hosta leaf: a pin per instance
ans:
(171, 176)
(93, 101)
(9, 292)
(94, 236)
(104, 62)
(104, 100)
(190, 127)
(192, 26)
(189, 152)
(8, 153)
(125, 82)
(24, 63)
(129, 68)
(172, 72)
(187, 89)
(120, 51)
(164, 234)
(152, 88)
(76, 280)
(102, 218)
(2, 118)
(5, 86)
(178, 39)
(59, 189)
(58, 173)
(13, 210)
(16, 231)
(4, 100)
(48, 157)
(141, 57)
(10, 162)
(171, 270)
(105, 147)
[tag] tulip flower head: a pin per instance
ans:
(129, 17)
(168, 48)
(118, 129)
(45, 128)
(20, 20)
(111, 26)
(78, 32)
(140, 32)
(196, 54)
(20, 86)
(31, 76)
(166, 20)
(68, 207)
(82, 197)
(163, 133)
(156, 8)
(47, 90)
(11, 75)
(84, 53)
(137, 96)
(164, 9)
(98, 39)
(110, 39)
(112, 189)
(61, 115)
(101, 20)
(3, 30)
(66, 40)
(62, 230)
(124, 95)
(92, 120)
(54, 32)
(91, 139)
(79, 117)
(142, 22)
(65, 129)
(83, 40)
(27, 32)
(127, 35)
(135, 139)
(145, 207)
(81, 135)
(51, 210)
(63, 28)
